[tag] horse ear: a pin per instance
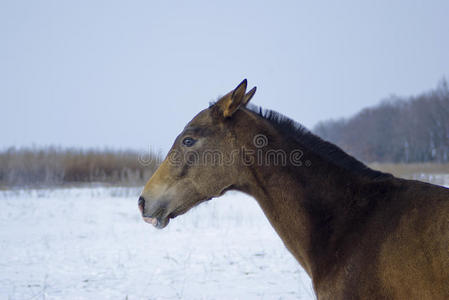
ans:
(231, 102)
(248, 96)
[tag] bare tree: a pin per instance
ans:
(400, 129)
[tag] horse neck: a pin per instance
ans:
(306, 206)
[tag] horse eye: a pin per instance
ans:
(188, 142)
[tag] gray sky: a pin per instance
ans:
(130, 74)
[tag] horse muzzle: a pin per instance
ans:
(155, 215)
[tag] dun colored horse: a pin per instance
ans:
(358, 233)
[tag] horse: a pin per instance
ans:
(357, 232)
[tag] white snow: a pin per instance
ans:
(90, 243)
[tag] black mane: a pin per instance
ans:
(315, 144)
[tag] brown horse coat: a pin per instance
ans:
(358, 233)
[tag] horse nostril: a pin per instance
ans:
(141, 202)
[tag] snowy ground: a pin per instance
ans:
(86, 243)
(90, 243)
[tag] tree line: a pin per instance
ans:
(399, 129)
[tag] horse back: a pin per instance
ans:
(413, 260)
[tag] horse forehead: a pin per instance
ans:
(201, 119)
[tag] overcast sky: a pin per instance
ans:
(130, 74)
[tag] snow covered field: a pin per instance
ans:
(90, 243)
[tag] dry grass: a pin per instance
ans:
(429, 172)
(55, 166)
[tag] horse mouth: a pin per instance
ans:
(159, 223)
(160, 218)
